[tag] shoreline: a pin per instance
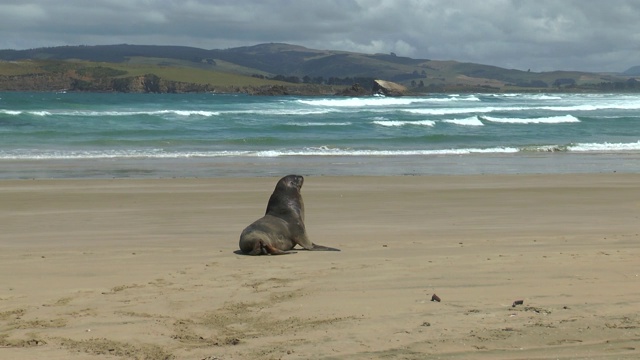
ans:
(146, 268)
(229, 167)
(337, 91)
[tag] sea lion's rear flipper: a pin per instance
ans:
(316, 247)
(268, 249)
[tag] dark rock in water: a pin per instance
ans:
(354, 90)
(274, 90)
(388, 88)
(380, 87)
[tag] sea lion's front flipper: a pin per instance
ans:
(316, 247)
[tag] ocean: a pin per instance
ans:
(112, 135)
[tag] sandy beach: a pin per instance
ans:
(148, 269)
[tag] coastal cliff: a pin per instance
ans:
(388, 88)
(148, 83)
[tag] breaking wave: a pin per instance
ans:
(470, 121)
(395, 123)
(308, 151)
(543, 120)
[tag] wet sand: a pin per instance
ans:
(147, 269)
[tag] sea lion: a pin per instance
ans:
(282, 226)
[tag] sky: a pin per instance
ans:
(536, 35)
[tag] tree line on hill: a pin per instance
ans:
(321, 80)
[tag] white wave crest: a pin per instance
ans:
(305, 124)
(452, 98)
(185, 113)
(465, 98)
(544, 97)
(544, 120)
(463, 110)
(471, 121)
(365, 101)
(618, 105)
(162, 154)
(605, 147)
(311, 151)
(613, 105)
(392, 123)
(192, 113)
(40, 113)
(528, 96)
(94, 113)
(282, 112)
(326, 151)
(10, 112)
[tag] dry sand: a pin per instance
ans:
(146, 269)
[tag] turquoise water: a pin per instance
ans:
(80, 135)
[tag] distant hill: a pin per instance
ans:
(633, 71)
(288, 68)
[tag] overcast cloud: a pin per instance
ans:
(541, 35)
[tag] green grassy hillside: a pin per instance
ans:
(269, 65)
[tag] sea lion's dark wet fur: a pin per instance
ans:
(282, 226)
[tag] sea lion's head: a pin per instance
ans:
(286, 198)
(291, 182)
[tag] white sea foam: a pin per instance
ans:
(614, 105)
(161, 154)
(77, 155)
(544, 148)
(197, 113)
(544, 120)
(10, 112)
(470, 121)
(286, 112)
(311, 151)
(545, 97)
(452, 98)
(395, 123)
(605, 147)
(178, 112)
(94, 113)
(203, 113)
(40, 113)
(324, 151)
(461, 110)
(504, 95)
(528, 96)
(305, 124)
(466, 98)
(364, 101)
